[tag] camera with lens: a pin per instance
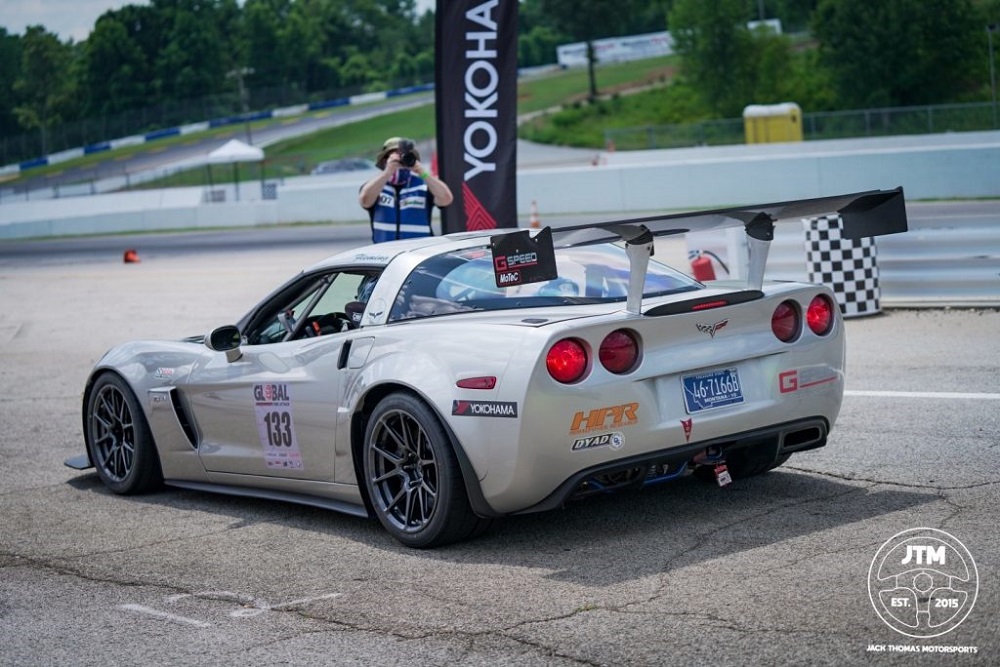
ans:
(407, 154)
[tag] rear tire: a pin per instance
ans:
(413, 478)
(118, 438)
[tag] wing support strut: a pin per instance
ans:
(870, 213)
(760, 233)
(639, 248)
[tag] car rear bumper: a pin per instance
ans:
(777, 441)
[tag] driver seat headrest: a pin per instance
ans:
(354, 311)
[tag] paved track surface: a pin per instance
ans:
(771, 570)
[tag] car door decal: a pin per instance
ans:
(275, 424)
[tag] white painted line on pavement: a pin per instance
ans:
(924, 394)
(164, 615)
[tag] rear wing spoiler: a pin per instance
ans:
(871, 213)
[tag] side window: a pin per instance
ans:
(313, 307)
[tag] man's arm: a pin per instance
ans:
(438, 188)
(370, 190)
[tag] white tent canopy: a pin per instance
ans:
(235, 150)
(232, 152)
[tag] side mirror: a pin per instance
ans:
(225, 339)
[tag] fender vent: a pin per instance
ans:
(182, 418)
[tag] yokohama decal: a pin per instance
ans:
(476, 98)
(483, 408)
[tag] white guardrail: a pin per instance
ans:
(950, 256)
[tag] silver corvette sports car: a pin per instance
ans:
(439, 383)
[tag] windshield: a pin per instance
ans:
(464, 280)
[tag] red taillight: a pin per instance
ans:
(785, 322)
(619, 351)
(819, 316)
(567, 360)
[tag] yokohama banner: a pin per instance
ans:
(476, 97)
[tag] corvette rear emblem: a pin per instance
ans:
(710, 329)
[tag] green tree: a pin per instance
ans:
(10, 70)
(261, 36)
(589, 21)
(900, 52)
(44, 85)
(197, 55)
(795, 15)
(537, 35)
(717, 50)
(115, 69)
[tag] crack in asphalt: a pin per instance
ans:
(470, 636)
(905, 485)
(339, 625)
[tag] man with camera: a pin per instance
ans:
(400, 200)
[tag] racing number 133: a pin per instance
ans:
(279, 428)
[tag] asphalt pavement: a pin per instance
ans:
(772, 570)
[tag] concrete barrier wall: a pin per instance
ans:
(941, 261)
(956, 166)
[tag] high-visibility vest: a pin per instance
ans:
(402, 212)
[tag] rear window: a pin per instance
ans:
(463, 280)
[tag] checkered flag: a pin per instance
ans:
(848, 267)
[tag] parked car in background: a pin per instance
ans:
(344, 165)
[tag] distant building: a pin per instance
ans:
(774, 25)
(634, 47)
(617, 49)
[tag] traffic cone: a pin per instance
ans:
(130, 257)
(534, 222)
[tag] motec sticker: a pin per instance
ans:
(483, 408)
(602, 419)
(519, 258)
(275, 425)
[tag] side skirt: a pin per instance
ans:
(271, 494)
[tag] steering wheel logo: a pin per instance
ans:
(923, 582)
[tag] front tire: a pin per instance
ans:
(413, 478)
(118, 438)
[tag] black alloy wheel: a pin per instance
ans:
(413, 478)
(118, 438)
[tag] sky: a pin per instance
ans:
(75, 18)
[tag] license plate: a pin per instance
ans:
(714, 389)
